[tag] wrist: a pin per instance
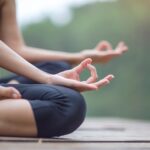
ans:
(48, 79)
(77, 58)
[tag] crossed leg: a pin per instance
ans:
(44, 111)
(16, 118)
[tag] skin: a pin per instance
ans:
(69, 78)
(11, 35)
(15, 52)
(11, 116)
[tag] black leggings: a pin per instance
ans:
(57, 110)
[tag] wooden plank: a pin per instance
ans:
(94, 134)
(114, 123)
(112, 130)
(99, 130)
(75, 146)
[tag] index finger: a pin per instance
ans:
(82, 65)
(104, 45)
(93, 72)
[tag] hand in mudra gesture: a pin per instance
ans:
(71, 78)
(103, 52)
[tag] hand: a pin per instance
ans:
(103, 52)
(71, 78)
(9, 93)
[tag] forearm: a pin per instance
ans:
(15, 63)
(36, 54)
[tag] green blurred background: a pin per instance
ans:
(128, 20)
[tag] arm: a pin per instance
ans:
(15, 63)
(102, 53)
(11, 35)
(70, 78)
(36, 54)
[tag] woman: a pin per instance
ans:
(55, 106)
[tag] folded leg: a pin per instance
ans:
(55, 110)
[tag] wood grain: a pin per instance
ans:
(95, 133)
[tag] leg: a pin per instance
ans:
(16, 118)
(50, 67)
(57, 110)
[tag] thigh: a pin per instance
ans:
(58, 110)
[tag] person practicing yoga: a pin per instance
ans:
(43, 98)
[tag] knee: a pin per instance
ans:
(74, 114)
(64, 111)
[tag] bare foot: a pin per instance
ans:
(9, 92)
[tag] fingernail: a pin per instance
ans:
(113, 76)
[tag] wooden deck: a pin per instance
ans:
(94, 134)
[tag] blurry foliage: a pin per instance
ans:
(128, 20)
